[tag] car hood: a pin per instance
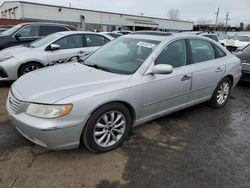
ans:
(14, 51)
(53, 84)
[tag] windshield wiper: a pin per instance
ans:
(98, 67)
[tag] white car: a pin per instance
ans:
(238, 41)
(54, 49)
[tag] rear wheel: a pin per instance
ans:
(221, 93)
(28, 67)
(107, 128)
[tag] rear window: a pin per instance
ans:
(46, 30)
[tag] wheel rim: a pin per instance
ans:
(223, 93)
(109, 129)
(30, 69)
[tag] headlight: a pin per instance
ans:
(6, 58)
(48, 111)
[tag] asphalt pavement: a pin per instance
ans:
(196, 147)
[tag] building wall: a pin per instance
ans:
(93, 19)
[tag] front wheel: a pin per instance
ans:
(28, 67)
(221, 93)
(107, 128)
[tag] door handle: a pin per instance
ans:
(186, 77)
(219, 70)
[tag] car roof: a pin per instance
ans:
(44, 23)
(166, 37)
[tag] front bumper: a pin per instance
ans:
(8, 69)
(53, 134)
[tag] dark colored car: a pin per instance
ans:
(29, 32)
(244, 55)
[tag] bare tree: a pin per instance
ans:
(174, 14)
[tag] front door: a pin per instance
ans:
(70, 46)
(163, 93)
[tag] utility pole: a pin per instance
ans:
(227, 18)
(217, 16)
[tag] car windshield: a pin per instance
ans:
(44, 41)
(122, 56)
(11, 30)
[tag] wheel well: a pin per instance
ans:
(127, 105)
(18, 71)
(231, 78)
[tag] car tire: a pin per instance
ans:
(28, 67)
(221, 93)
(105, 129)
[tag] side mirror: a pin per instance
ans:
(54, 47)
(17, 36)
(161, 69)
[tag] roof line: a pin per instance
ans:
(50, 5)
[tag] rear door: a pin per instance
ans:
(71, 46)
(207, 67)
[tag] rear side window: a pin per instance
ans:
(219, 52)
(70, 42)
(95, 40)
(46, 30)
(174, 54)
(201, 51)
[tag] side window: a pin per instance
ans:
(95, 40)
(201, 50)
(46, 30)
(174, 54)
(69, 42)
(220, 53)
(29, 31)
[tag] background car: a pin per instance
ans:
(54, 49)
(29, 32)
(210, 35)
(112, 34)
(244, 55)
(237, 41)
(131, 80)
(123, 32)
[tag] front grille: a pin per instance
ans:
(14, 103)
(3, 74)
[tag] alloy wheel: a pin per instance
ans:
(109, 129)
(223, 93)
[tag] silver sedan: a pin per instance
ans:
(132, 80)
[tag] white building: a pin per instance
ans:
(87, 19)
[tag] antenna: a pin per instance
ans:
(227, 18)
(217, 16)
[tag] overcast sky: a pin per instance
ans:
(191, 10)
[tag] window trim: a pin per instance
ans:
(216, 51)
